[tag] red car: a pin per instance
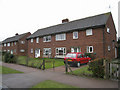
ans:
(77, 58)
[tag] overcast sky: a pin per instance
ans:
(21, 16)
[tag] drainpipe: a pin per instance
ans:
(103, 42)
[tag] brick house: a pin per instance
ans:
(95, 34)
(17, 44)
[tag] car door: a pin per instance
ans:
(80, 59)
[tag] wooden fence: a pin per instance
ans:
(112, 70)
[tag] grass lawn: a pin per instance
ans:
(6, 70)
(36, 61)
(52, 84)
(83, 71)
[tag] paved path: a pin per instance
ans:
(33, 76)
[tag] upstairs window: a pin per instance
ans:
(75, 35)
(5, 45)
(108, 30)
(89, 32)
(60, 37)
(8, 44)
(37, 40)
(46, 38)
(32, 40)
(22, 42)
(89, 49)
(14, 43)
(22, 50)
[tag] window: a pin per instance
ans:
(89, 32)
(4, 50)
(5, 45)
(11, 52)
(14, 43)
(61, 51)
(46, 38)
(108, 30)
(22, 42)
(37, 40)
(108, 48)
(60, 37)
(22, 50)
(89, 49)
(15, 50)
(8, 44)
(75, 35)
(76, 49)
(46, 51)
(32, 40)
(31, 51)
(8, 51)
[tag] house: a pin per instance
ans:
(95, 35)
(0, 47)
(17, 44)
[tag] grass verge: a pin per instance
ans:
(83, 71)
(52, 84)
(6, 70)
(37, 61)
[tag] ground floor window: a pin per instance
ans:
(31, 50)
(46, 51)
(11, 52)
(37, 53)
(61, 51)
(75, 49)
(89, 49)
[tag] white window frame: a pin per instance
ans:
(78, 49)
(89, 32)
(47, 40)
(14, 43)
(88, 49)
(31, 40)
(22, 50)
(5, 45)
(11, 51)
(60, 37)
(74, 37)
(8, 44)
(108, 30)
(22, 42)
(61, 48)
(109, 48)
(31, 50)
(37, 40)
(45, 49)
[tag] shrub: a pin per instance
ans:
(97, 68)
(9, 58)
(90, 55)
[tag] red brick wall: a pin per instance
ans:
(109, 37)
(96, 40)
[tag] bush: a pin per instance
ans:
(9, 58)
(97, 68)
(90, 55)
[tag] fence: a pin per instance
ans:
(112, 70)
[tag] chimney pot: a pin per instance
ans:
(65, 20)
(16, 34)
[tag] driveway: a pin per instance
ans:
(33, 76)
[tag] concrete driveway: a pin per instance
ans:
(33, 76)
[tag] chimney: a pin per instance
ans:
(65, 20)
(16, 34)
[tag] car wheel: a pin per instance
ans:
(78, 64)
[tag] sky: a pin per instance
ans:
(21, 16)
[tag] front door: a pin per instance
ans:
(37, 53)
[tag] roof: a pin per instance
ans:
(80, 24)
(14, 38)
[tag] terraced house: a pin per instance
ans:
(95, 35)
(16, 45)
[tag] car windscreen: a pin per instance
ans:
(71, 55)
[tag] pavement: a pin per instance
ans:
(32, 76)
